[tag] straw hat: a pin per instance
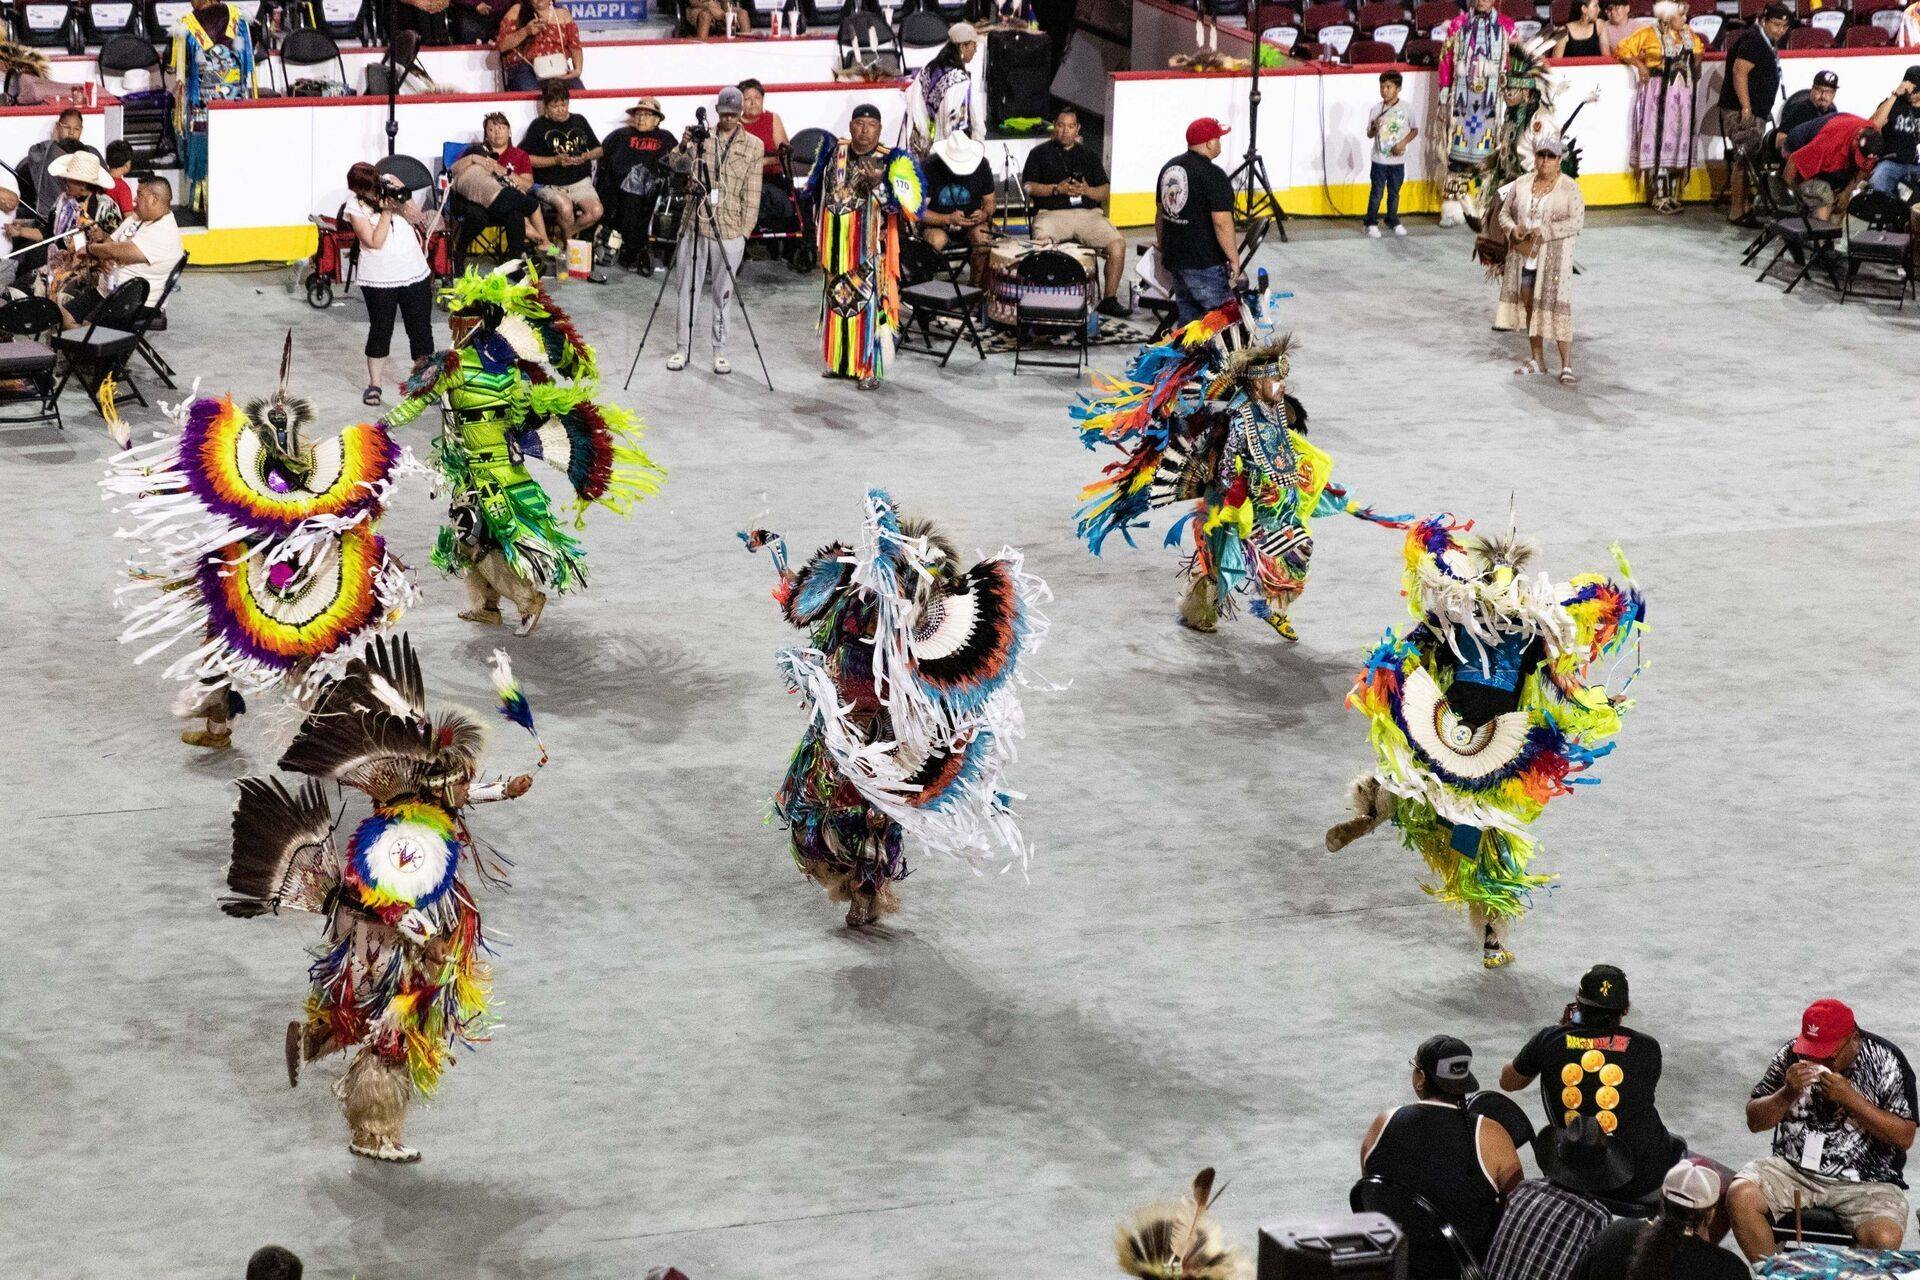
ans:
(80, 166)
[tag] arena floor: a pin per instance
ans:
(700, 1066)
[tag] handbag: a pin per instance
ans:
(551, 66)
(640, 181)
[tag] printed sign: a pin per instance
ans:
(608, 10)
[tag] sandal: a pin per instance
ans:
(371, 395)
(1527, 369)
(1568, 378)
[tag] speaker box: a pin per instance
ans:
(1351, 1246)
(1019, 75)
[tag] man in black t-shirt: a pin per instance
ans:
(1898, 119)
(959, 187)
(563, 148)
(1804, 107)
(1746, 96)
(1590, 1064)
(1066, 183)
(1193, 223)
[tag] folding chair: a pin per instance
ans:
(146, 115)
(309, 47)
(922, 29)
(23, 358)
(1885, 244)
(1810, 242)
(102, 349)
(155, 321)
(1434, 1247)
(930, 283)
(1062, 307)
(863, 35)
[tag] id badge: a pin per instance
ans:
(1812, 1148)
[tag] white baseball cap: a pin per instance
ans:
(1694, 1185)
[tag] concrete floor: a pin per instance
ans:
(699, 1065)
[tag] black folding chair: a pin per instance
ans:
(102, 349)
(309, 47)
(27, 360)
(861, 34)
(930, 283)
(1884, 244)
(1810, 1226)
(146, 115)
(154, 320)
(922, 29)
(1808, 240)
(1435, 1250)
(1062, 307)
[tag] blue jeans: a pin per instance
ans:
(1386, 178)
(520, 79)
(1888, 172)
(1198, 290)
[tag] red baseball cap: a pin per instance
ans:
(1824, 1027)
(1205, 129)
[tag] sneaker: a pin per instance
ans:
(1373, 233)
(1115, 308)
(676, 362)
(1399, 228)
(722, 365)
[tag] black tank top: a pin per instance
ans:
(1577, 47)
(1431, 1148)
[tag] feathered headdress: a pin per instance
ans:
(281, 419)
(19, 60)
(521, 312)
(1179, 1241)
(1258, 360)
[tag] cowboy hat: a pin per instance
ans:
(80, 166)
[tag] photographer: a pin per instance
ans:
(723, 202)
(497, 176)
(1840, 1102)
(393, 273)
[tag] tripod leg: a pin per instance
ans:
(666, 277)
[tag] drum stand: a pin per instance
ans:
(685, 259)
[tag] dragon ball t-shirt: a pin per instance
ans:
(1609, 1073)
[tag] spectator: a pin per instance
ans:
(428, 18)
(1541, 214)
(727, 162)
(1066, 184)
(477, 21)
(1193, 223)
(539, 42)
(960, 196)
(1803, 108)
(1551, 1221)
(1840, 154)
(1590, 1063)
(776, 201)
(1583, 36)
(39, 190)
(1898, 120)
(701, 17)
(392, 274)
(632, 175)
(497, 177)
(1391, 128)
(145, 246)
(119, 162)
(271, 1262)
(83, 206)
(1460, 1163)
(212, 62)
(1615, 26)
(1840, 1102)
(1746, 99)
(563, 148)
(1676, 1245)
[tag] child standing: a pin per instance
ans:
(1391, 128)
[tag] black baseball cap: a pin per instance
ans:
(1825, 80)
(1604, 987)
(1447, 1063)
(866, 111)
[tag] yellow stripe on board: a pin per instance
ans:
(230, 245)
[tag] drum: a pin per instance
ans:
(1004, 291)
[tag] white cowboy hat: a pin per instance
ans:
(80, 166)
(959, 152)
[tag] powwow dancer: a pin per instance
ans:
(867, 194)
(501, 404)
(1476, 54)
(1179, 1241)
(260, 546)
(1221, 435)
(1665, 58)
(402, 973)
(1485, 711)
(912, 716)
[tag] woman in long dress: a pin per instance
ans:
(1541, 214)
(1665, 58)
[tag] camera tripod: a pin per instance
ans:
(686, 259)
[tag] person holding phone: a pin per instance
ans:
(1840, 1102)
(538, 42)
